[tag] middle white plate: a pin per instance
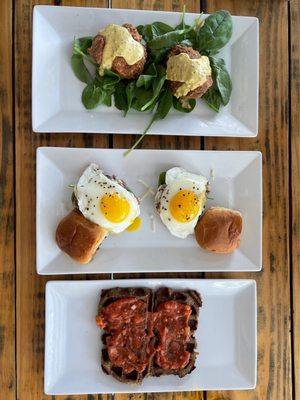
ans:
(237, 184)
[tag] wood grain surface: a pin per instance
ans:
(274, 312)
(7, 239)
(22, 307)
(295, 183)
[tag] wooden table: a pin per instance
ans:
(22, 290)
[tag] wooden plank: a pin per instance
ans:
(30, 286)
(274, 339)
(295, 183)
(7, 236)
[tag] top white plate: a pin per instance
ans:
(237, 184)
(56, 92)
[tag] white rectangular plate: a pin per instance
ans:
(226, 338)
(237, 184)
(56, 92)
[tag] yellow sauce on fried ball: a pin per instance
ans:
(191, 72)
(119, 43)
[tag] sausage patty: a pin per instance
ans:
(119, 65)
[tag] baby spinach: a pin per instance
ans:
(160, 28)
(168, 39)
(156, 86)
(80, 70)
(151, 31)
(221, 78)
(219, 93)
(213, 98)
(120, 96)
(92, 96)
(129, 96)
(162, 110)
(185, 106)
(147, 77)
(109, 80)
(80, 47)
(215, 32)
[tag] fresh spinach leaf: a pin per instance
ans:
(109, 80)
(213, 98)
(221, 78)
(168, 39)
(106, 100)
(142, 97)
(151, 31)
(80, 45)
(163, 108)
(130, 88)
(157, 86)
(120, 96)
(164, 105)
(215, 32)
(162, 179)
(140, 29)
(185, 106)
(79, 69)
(147, 77)
(160, 28)
(92, 96)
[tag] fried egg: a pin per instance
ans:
(105, 200)
(181, 200)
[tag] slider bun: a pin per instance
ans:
(78, 237)
(219, 230)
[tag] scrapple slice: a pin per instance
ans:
(112, 336)
(186, 298)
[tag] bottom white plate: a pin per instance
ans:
(226, 338)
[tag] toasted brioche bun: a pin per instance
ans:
(219, 230)
(78, 237)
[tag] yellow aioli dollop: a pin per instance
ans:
(192, 72)
(136, 224)
(119, 43)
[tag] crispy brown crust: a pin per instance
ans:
(119, 64)
(96, 50)
(178, 49)
(125, 71)
(219, 230)
(173, 85)
(133, 32)
(78, 237)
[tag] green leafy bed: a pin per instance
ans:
(150, 92)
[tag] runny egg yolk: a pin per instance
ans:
(114, 207)
(136, 224)
(184, 206)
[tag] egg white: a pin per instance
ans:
(178, 178)
(91, 187)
